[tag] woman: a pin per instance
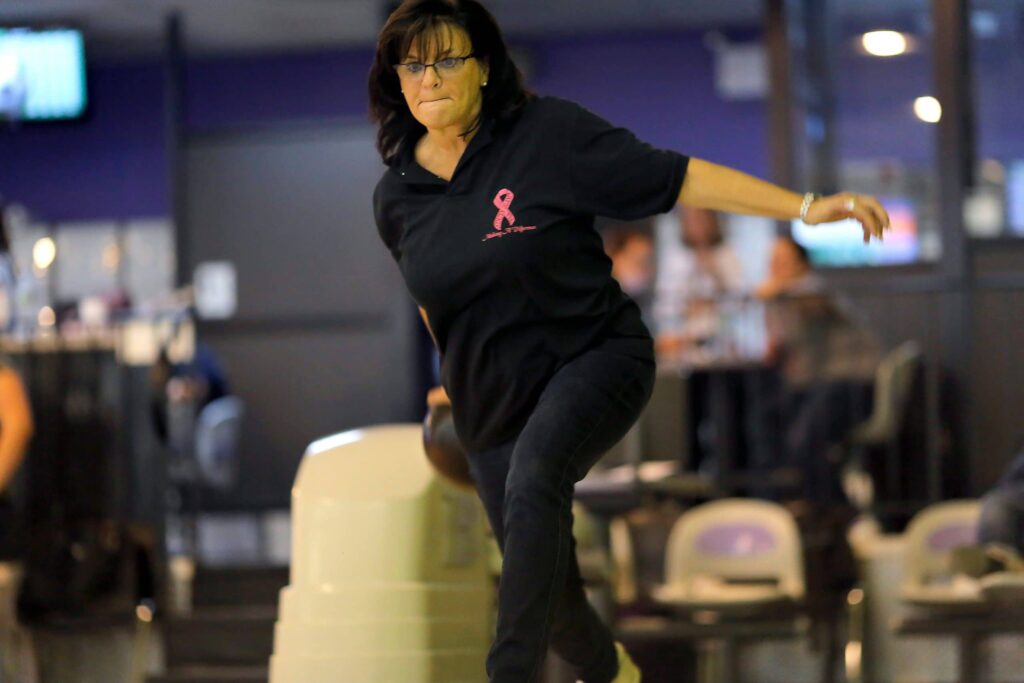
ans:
(488, 206)
(692, 284)
(790, 272)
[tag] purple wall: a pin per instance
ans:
(661, 87)
(111, 165)
(114, 164)
(272, 89)
(875, 99)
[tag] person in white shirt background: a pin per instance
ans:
(691, 282)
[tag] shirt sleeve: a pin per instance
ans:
(388, 227)
(614, 174)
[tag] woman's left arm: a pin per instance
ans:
(720, 188)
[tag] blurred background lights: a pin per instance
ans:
(884, 43)
(44, 252)
(47, 317)
(928, 109)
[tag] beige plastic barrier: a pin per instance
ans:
(389, 581)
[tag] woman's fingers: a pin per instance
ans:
(880, 212)
(867, 211)
(859, 208)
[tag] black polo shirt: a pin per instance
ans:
(505, 259)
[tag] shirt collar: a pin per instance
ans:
(411, 172)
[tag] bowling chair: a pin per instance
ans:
(734, 570)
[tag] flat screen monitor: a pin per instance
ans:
(42, 74)
(1015, 196)
(842, 243)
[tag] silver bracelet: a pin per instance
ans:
(809, 199)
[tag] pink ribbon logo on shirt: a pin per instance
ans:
(503, 201)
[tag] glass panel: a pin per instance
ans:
(995, 207)
(867, 125)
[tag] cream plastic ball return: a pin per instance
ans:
(389, 581)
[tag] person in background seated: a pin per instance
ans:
(827, 360)
(199, 383)
(691, 281)
(632, 255)
(1002, 509)
(789, 271)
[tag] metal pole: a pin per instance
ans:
(956, 162)
(174, 122)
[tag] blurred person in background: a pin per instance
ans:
(692, 281)
(16, 428)
(632, 255)
(827, 359)
(789, 271)
(1002, 509)
(488, 207)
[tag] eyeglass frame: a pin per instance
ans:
(437, 72)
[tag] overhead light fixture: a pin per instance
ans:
(885, 43)
(44, 251)
(984, 23)
(928, 109)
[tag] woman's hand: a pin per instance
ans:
(866, 210)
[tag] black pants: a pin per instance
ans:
(526, 486)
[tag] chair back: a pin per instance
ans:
(894, 380)
(737, 540)
(218, 431)
(931, 537)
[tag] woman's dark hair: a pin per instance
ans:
(418, 22)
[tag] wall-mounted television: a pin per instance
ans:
(42, 74)
(842, 243)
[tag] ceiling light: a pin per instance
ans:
(43, 253)
(928, 109)
(884, 43)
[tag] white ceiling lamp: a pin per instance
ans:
(928, 109)
(885, 43)
(44, 252)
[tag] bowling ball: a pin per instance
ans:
(443, 448)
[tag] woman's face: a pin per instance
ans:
(440, 97)
(700, 227)
(786, 264)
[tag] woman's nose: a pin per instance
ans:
(431, 79)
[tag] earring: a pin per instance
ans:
(485, 84)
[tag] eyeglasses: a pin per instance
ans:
(442, 67)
